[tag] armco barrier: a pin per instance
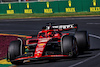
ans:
(51, 7)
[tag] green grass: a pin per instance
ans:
(18, 16)
(5, 65)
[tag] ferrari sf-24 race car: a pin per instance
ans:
(52, 42)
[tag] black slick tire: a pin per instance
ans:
(82, 40)
(69, 46)
(14, 51)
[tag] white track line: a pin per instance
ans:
(91, 35)
(95, 36)
(93, 23)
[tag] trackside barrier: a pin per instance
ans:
(51, 7)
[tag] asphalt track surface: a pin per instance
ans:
(89, 58)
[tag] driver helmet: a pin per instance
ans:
(50, 34)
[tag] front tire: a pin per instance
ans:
(14, 50)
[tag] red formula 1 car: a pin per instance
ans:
(52, 42)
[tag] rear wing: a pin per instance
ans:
(62, 27)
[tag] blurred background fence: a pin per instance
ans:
(16, 0)
(48, 6)
(28, 0)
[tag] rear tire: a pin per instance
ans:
(82, 40)
(14, 51)
(69, 46)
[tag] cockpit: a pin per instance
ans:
(49, 34)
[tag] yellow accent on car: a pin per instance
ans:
(37, 54)
(41, 44)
